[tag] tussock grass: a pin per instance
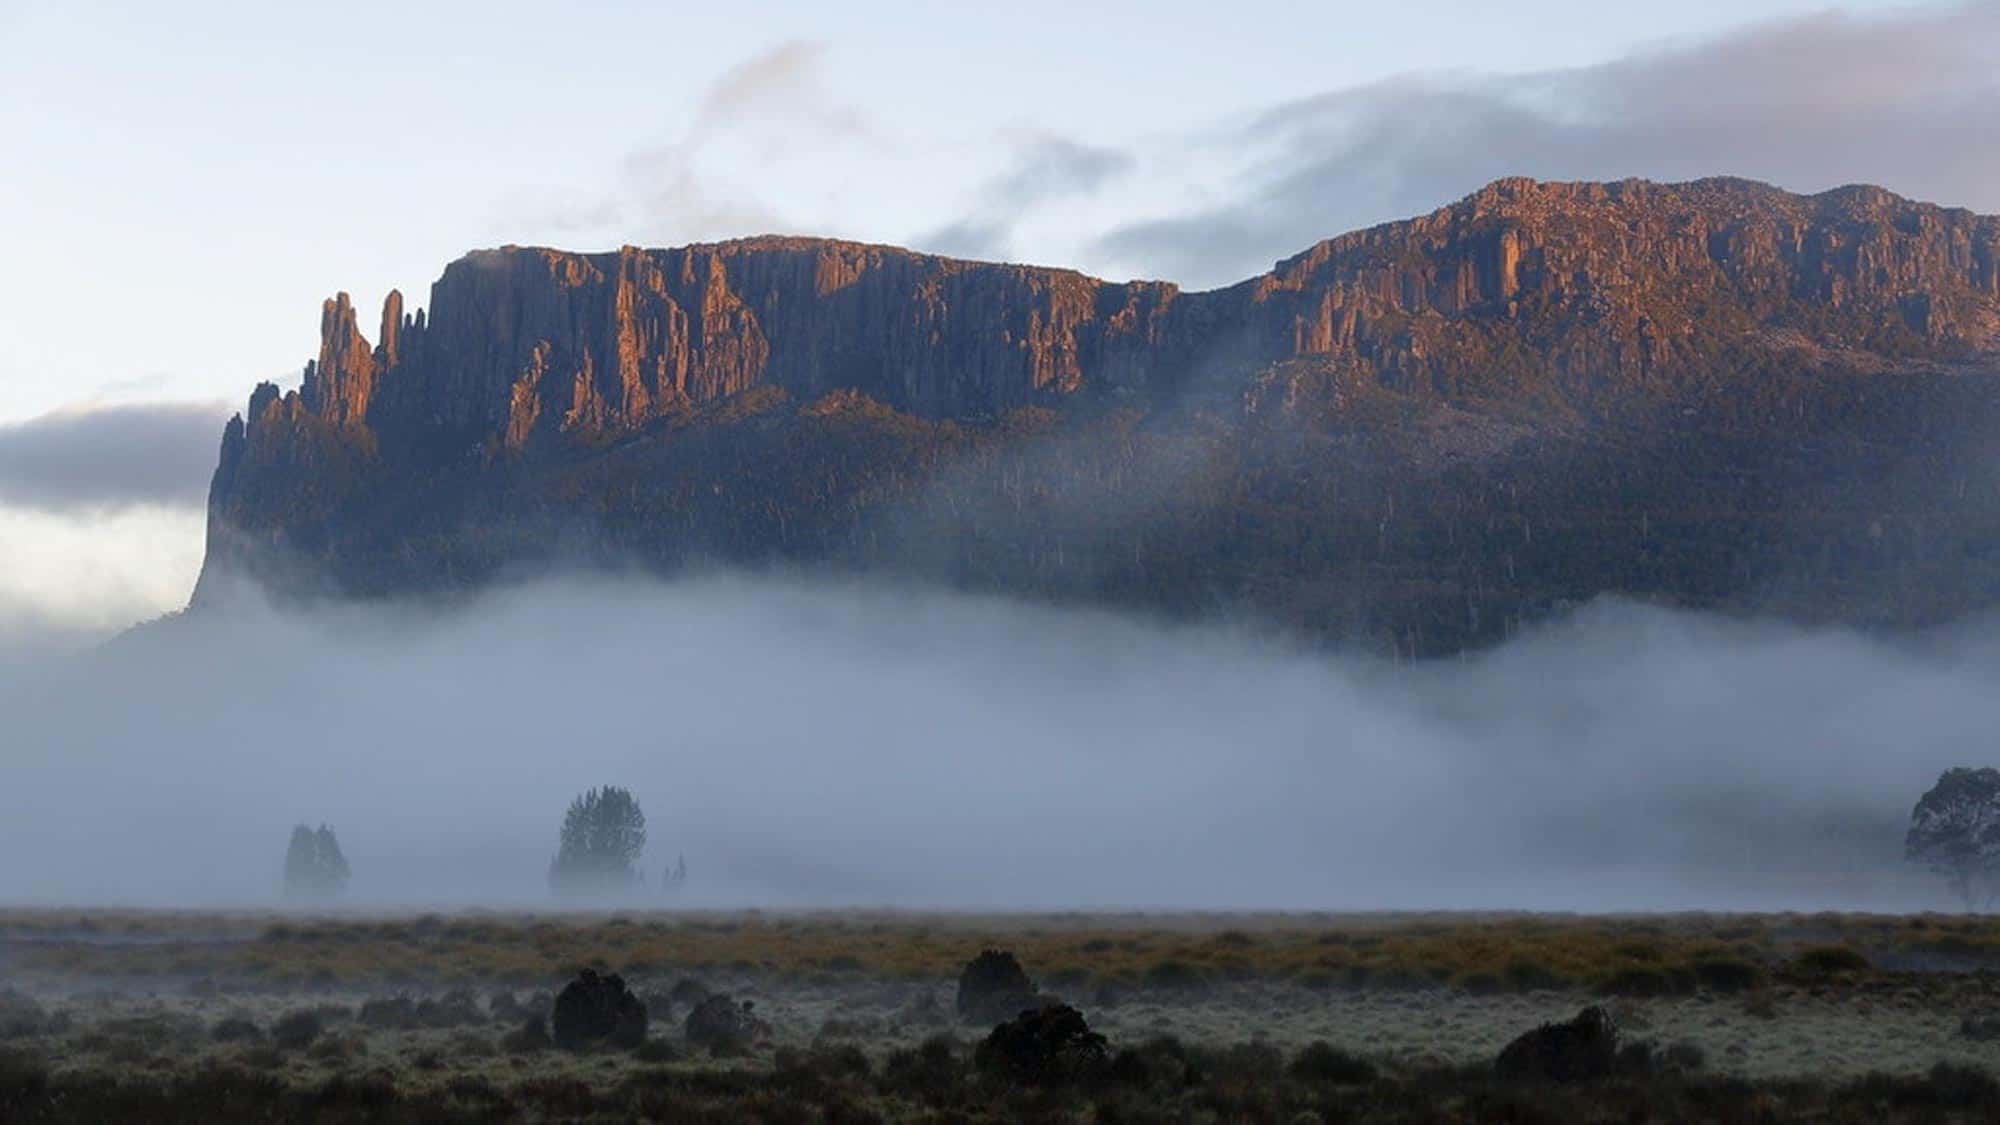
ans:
(1664, 955)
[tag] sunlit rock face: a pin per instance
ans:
(1425, 433)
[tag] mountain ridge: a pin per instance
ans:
(1524, 313)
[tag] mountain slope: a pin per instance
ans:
(1716, 393)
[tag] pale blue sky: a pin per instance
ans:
(183, 183)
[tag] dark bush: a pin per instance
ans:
(930, 1070)
(395, 1013)
(993, 987)
(1648, 980)
(22, 1018)
(297, 1030)
(1044, 1046)
(1827, 960)
(506, 1008)
(1175, 976)
(1981, 1026)
(924, 1011)
(596, 1009)
(236, 1029)
(1585, 1047)
(657, 1051)
(1321, 1061)
(1686, 1056)
(1635, 1059)
(560, 1099)
(723, 1026)
(24, 1080)
(1963, 1087)
(370, 1093)
(457, 1008)
(531, 1036)
(474, 1089)
(1525, 975)
(1728, 974)
(1480, 984)
(687, 992)
(1161, 1061)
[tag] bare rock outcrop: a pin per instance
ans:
(1382, 420)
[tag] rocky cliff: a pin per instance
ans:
(826, 402)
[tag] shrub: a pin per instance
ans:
(1686, 1056)
(1175, 976)
(236, 1030)
(930, 1070)
(24, 1080)
(1963, 1087)
(1525, 975)
(993, 987)
(1583, 1048)
(22, 1018)
(531, 1036)
(1828, 960)
(393, 1014)
(657, 1051)
(1647, 980)
(594, 1009)
(1727, 974)
(296, 1030)
(1043, 1047)
(1320, 1061)
(725, 1027)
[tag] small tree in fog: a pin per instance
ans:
(602, 836)
(1955, 831)
(314, 865)
(675, 876)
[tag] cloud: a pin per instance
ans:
(768, 112)
(813, 743)
(76, 575)
(1909, 100)
(1044, 168)
(780, 83)
(111, 456)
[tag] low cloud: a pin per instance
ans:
(769, 111)
(805, 743)
(1044, 169)
(111, 456)
(70, 577)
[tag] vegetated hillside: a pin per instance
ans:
(1421, 435)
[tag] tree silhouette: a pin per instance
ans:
(314, 865)
(1955, 831)
(603, 834)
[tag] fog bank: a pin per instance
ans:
(815, 744)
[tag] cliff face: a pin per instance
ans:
(1525, 310)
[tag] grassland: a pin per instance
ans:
(125, 1015)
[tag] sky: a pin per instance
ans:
(184, 183)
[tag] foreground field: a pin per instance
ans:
(162, 1016)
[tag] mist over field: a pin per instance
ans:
(816, 744)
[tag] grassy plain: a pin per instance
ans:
(177, 1015)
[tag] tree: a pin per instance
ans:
(602, 836)
(1955, 831)
(676, 876)
(314, 865)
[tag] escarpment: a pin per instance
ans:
(1426, 432)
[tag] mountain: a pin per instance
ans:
(1418, 435)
